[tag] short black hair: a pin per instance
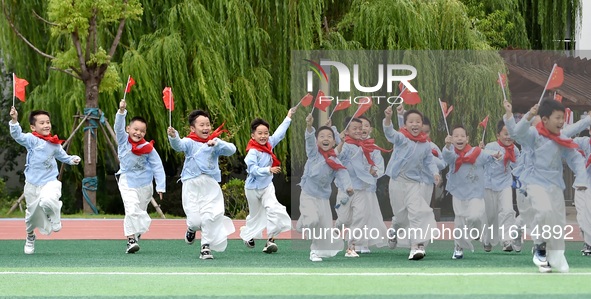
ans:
(412, 111)
(365, 117)
(256, 123)
(33, 115)
(500, 126)
(349, 120)
(458, 127)
(549, 106)
(138, 118)
(426, 121)
(327, 128)
(195, 114)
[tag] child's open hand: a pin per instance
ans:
(171, 132)
(13, 114)
(388, 112)
(275, 169)
(122, 106)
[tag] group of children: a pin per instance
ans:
(480, 180)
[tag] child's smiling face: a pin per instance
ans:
(459, 138)
(201, 126)
(261, 134)
(325, 140)
(414, 124)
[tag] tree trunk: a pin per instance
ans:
(90, 149)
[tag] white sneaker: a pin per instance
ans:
(56, 227)
(30, 244)
(392, 239)
(351, 253)
(545, 269)
(518, 242)
(205, 253)
(362, 249)
(416, 254)
(458, 253)
(314, 257)
(270, 247)
(539, 255)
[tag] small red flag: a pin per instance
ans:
(484, 122)
(410, 98)
(343, 105)
(556, 78)
(446, 111)
(307, 100)
(363, 107)
(19, 88)
(503, 81)
(321, 103)
(130, 83)
(168, 98)
(558, 97)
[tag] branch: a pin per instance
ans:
(118, 35)
(69, 72)
(42, 19)
(73, 69)
(81, 60)
(21, 36)
(91, 32)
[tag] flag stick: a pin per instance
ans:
(170, 110)
(547, 82)
(13, 89)
(352, 117)
(335, 108)
(403, 89)
(484, 133)
(126, 86)
(502, 87)
(444, 120)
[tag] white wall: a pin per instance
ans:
(583, 41)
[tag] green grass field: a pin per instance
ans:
(172, 269)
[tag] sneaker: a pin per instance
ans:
(586, 251)
(539, 255)
(249, 243)
(351, 253)
(545, 269)
(189, 237)
(314, 257)
(458, 253)
(487, 247)
(56, 227)
(132, 246)
(30, 244)
(416, 254)
(392, 239)
(422, 248)
(270, 247)
(507, 246)
(205, 253)
(518, 242)
(362, 249)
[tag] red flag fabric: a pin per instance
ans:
(558, 97)
(503, 81)
(342, 105)
(363, 107)
(410, 98)
(19, 88)
(445, 109)
(484, 122)
(130, 83)
(556, 78)
(168, 98)
(307, 100)
(321, 103)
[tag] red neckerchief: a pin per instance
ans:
(422, 137)
(470, 159)
(509, 153)
(252, 144)
(435, 152)
(216, 133)
(49, 138)
(588, 159)
(368, 146)
(331, 162)
(136, 150)
(568, 143)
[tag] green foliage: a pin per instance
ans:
(6, 200)
(234, 199)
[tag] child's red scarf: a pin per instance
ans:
(331, 162)
(49, 138)
(252, 144)
(368, 146)
(463, 158)
(216, 133)
(145, 149)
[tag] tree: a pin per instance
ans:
(86, 50)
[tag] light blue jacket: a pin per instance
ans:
(497, 176)
(468, 182)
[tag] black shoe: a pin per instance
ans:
(205, 253)
(190, 237)
(249, 243)
(132, 246)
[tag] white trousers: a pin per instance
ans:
(549, 213)
(264, 212)
(203, 203)
(411, 211)
(427, 192)
(499, 214)
(316, 223)
(135, 202)
(583, 205)
(43, 206)
(355, 215)
(470, 218)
